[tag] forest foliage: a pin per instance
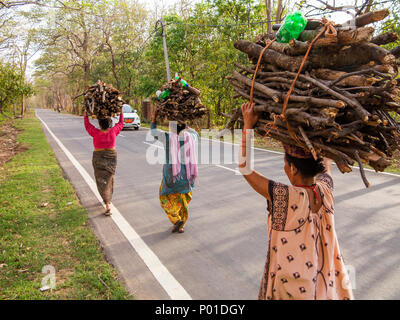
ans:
(71, 44)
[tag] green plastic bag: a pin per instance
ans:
(162, 95)
(292, 26)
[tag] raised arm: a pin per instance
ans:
(118, 127)
(194, 134)
(156, 133)
(255, 179)
(91, 129)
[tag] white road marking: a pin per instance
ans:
(153, 145)
(270, 158)
(173, 288)
(226, 168)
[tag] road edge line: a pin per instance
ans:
(172, 287)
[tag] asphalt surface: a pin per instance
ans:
(222, 253)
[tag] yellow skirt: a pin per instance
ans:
(176, 206)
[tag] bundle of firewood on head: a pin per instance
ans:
(177, 101)
(102, 100)
(343, 103)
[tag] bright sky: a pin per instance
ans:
(162, 5)
(341, 16)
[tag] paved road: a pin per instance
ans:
(221, 255)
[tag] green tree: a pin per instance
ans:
(12, 86)
(93, 40)
(201, 50)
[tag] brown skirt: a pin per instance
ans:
(104, 165)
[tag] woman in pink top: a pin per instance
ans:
(104, 156)
(304, 261)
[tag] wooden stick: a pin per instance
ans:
(279, 96)
(308, 143)
(367, 18)
(362, 172)
(270, 56)
(269, 92)
(385, 38)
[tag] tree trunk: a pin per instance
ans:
(218, 106)
(279, 11)
(268, 4)
(23, 107)
(113, 65)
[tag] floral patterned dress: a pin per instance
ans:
(303, 260)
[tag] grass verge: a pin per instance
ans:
(43, 224)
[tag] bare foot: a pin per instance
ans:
(177, 226)
(108, 210)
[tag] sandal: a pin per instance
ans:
(181, 230)
(177, 226)
(108, 213)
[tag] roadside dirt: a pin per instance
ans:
(9, 146)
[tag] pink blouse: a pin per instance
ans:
(104, 140)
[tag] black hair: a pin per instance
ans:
(180, 127)
(104, 123)
(308, 167)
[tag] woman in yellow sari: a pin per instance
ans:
(179, 171)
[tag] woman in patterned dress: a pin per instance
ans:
(303, 259)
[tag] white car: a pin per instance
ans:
(131, 118)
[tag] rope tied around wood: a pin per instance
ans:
(257, 66)
(330, 32)
(344, 99)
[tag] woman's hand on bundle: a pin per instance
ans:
(250, 118)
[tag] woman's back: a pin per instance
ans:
(104, 139)
(171, 185)
(303, 260)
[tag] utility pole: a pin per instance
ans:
(165, 49)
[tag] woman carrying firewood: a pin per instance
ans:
(104, 155)
(179, 171)
(303, 259)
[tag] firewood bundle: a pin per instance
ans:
(182, 104)
(344, 102)
(102, 100)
